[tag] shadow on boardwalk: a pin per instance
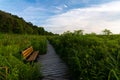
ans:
(53, 68)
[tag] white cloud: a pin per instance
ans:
(33, 14)
(59, 8)
(65, 5)
(91, 19)
(36, 9)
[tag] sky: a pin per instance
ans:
(58, 16)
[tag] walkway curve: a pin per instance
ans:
(53, 68)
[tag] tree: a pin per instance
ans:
(107, 32)
(92, 33)
(41, 31)
(14, 24)
(67, 32)
(78, 32)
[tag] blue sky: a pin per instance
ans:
(62, 15)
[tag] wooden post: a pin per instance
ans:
(6, 71)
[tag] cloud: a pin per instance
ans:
(36, 9)
(36, 15)
(65, 6)
(59, 8)
(91, 19)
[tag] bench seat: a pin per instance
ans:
(33, 56)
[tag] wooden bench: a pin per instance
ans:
(30, 55)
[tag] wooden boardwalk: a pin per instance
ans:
(53, 68)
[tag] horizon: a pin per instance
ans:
(59, 16)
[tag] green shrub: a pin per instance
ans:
(90, 57)
(10, 56)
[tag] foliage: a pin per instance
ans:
(10, 56)
(107, 32)
(89, 57)
(13, 24)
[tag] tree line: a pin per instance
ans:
(16, 25)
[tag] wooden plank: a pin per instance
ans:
(53, 68)
(33, 56)
(27, 52)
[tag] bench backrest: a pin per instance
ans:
(27, 52)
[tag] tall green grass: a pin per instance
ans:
(10, 56)
(90, 57)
